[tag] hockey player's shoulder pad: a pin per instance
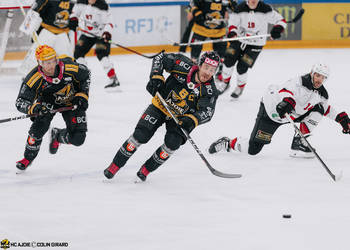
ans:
(32, 78)
(182, 63)
(263, 7)
(70, 65)
(102, 5)
(66, 57)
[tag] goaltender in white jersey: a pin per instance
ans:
(304, 98)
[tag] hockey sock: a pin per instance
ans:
(32, 147)
(158, 158)
(126, 151)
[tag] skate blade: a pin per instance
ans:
(301, 155)
(114, 90)
(19, 171)
(137, 180)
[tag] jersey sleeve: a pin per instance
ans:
(84, 80)
(29, 91)
(276, 18)
(77, 9)
(162, 62)
(39, 5)
(206, 105)
(108, 20)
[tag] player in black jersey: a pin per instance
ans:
(208, 16)
(189, 91)
(49, 18)
(54, 83)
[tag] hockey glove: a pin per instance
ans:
(38, 108)
(287, 105)
(73, 23)
(154, 84)
(276, 31)
(344, 121)
(81, 103)
(186, 123)
(231, 33)
(107, 36)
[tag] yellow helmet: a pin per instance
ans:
(44, 53)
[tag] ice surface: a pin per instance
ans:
(182, 205)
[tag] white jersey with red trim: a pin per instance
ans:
(306, 98)
(247, 22)
(94, 18)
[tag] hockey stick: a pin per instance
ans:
(212, 170)
(121, 46)
(334, 177)
(35, 115)
(297, 17)
(223, 40)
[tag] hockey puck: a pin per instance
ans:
(287, 216)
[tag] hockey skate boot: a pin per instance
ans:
(54, 144)
(222, 84)
(23, 164)
(220, 144)
(300, 149)
(111, 171)
(142, 173)
(114, 83)
(238, 91)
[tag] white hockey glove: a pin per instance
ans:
(31, 22)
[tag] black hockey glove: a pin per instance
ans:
(106, 36)
(276, 31)
(186, 123)
(81, 103)
(73, 23)
(287, 105)
(154, 84)
(344, 121)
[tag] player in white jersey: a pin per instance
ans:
(49, 19)
(250, 18)
(304, 98)
(95, 17)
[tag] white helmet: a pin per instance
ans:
(321, 69)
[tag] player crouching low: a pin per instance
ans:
(189, 91)
(304, 98)
(53, 84)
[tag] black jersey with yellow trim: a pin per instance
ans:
(55, 14)
(181, 92)
(75, 81)
(211, 10)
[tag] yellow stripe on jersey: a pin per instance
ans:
(82, 95)
(203, 31)
(33, 79)
(71, 67)
(54, 29)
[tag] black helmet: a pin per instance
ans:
(210, 57)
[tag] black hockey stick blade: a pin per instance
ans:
(224, 175)
(298, 16)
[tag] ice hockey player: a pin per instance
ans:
(208, 16)
(250, 18)
(53, 84)
(94, 16)
(49, 19)
(189, 91)
(304, 98)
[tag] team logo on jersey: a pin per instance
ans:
(64, 95)
(5, 244)
(61, 19)
(213, 19)
(149, 118)
(176, 103)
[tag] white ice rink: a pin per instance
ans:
(62, 197)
